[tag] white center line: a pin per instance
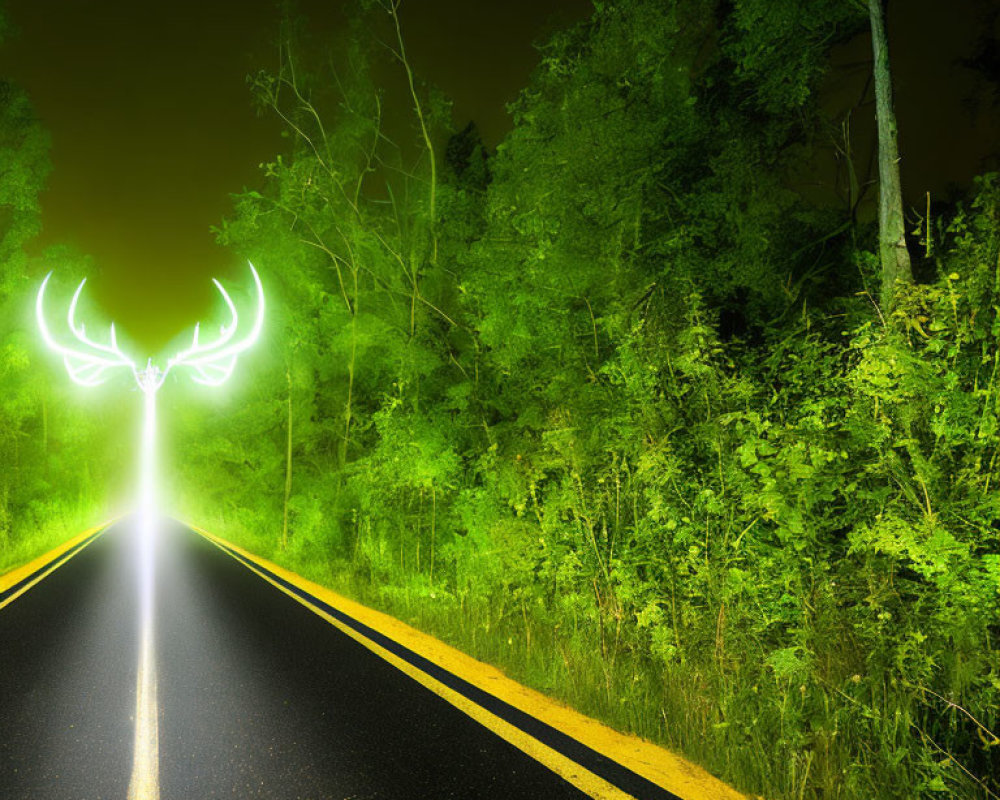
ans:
(145, 781)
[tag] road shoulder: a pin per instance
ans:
(670, 773)
(17, 581)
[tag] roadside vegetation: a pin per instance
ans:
(624, 405)
(57, 459)
(617, 407)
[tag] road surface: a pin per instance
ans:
(255, 695)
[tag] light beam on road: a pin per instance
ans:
(144, 783)
(211, 364)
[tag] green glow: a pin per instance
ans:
(88, 363)
(212, 363)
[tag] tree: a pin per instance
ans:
(893, 254)
(24, 165)
(514, 410)
(55, 456)
(351, 220)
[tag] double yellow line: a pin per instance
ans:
(16, 582)
(497, 702)
(477, 689)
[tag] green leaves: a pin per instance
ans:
(780, 46)
(789, 664)
(617, 393)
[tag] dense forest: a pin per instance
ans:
(60, 465)
(617, 405)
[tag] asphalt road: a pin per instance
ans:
(258, 697)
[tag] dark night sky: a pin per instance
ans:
(152, 124)
(948, 113)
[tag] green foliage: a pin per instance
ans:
(56, 454)
(779, 47)
(614, 410)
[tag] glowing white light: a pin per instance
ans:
(86, 368)
(87, 365)
(214, 362)
(144, 783)
(147, 500)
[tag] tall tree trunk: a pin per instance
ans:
(288, 463)
(433, 524)
(348, 408)
(892, 230)
(393, 8)
(45, 437)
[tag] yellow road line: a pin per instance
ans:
(657, 765)
(53, 559)
(145, 781)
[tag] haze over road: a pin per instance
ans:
(258, 697)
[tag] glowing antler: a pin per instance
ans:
(214, 362)
(86, 367)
